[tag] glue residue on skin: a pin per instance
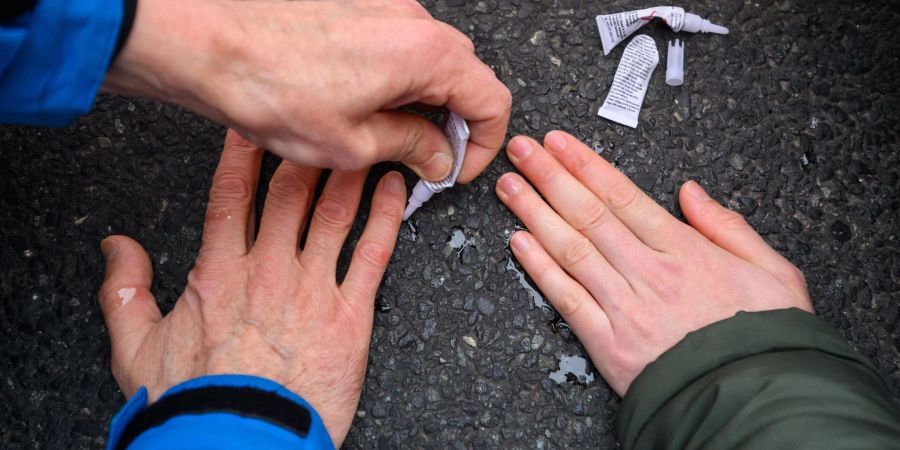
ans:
(126, 295)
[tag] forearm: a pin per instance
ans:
(222, 411)
(175, 53)
(778, 379)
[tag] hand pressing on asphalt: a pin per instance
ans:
(628, 277)
(318, 83)
(261, 307)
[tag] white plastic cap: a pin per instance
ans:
(675, 63)
(696, 24)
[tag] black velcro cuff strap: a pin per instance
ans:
(129, 9)
(242, 401)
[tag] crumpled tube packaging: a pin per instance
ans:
(614, 28)
(626, 95)
(457, 132)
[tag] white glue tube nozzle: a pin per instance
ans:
(420, 195)
(675, 63)
(696, 24)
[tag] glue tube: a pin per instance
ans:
(457, 132)
(623, 103)
(614, 28)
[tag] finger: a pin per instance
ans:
(486, 104)
(458, 36)
(580, 208)
(569, 248)
(229, 212)
(393, 8)
(412, 140)
(332, 218)
(372, 253)
(651, 223)
(587, 319)
(128, 307)
(729, 230)
(286, 207)
(468, 87)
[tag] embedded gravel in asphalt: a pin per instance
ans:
(792, 120)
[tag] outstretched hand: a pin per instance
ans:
(261, 307)
(318, 83)
(628, 277)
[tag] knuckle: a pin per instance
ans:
(568, 304)
(591, 216)
(505, 100)
(230, 187)
(731, 220)
(287, 185)
(366, 152)
(548, 176)
(392, 214)
(413, 8)
(622, 195)
(576, 251)
(373, 254)
(428, 38)
(332, 214)
(796, 276)
(107, 292)
(412, 139)
(582, 165)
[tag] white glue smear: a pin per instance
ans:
(574, 368)
(126, 295)
(536, 296)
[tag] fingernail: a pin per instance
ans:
(519, 148)
(437, 168)
(696, 191)
(520, 242)
(555, 141)
(393, 182)
(510, 185)
(109, 248)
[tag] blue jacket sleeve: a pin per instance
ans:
(53, 60)
(221, 412)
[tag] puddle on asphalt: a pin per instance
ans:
(572, 369)
(536, 296)
(457, 239)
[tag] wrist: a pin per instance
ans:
(220, 411)
(174, 53)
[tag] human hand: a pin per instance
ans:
(629, 278)
(318, 82)
(261, 307)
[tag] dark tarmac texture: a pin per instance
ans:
(792, 120)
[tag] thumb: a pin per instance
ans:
(730, 230)
(128, 307)
(412, 140)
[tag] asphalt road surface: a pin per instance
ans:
(792, 120)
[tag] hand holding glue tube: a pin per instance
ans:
(614, 28)
(457, 132)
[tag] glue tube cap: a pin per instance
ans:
(675, 63)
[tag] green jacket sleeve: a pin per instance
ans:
(779, 379)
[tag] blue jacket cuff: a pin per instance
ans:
(219, 428)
